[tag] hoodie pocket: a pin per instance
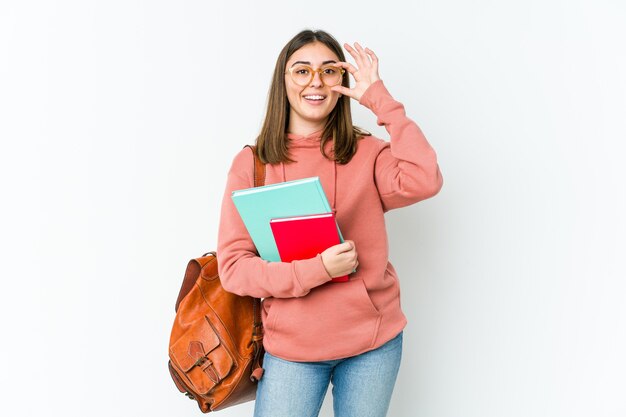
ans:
(334, 319)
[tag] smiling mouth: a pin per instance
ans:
(315, 98)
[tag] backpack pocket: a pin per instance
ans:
(202, 356)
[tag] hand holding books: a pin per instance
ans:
(304, 237)
(291, 221)
(340, 260)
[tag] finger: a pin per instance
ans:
(351, 50)
(355, 54)
(346, 246)
(373, 56)
(364, 56)
(351, 69)
(346, 65)
(342, 90)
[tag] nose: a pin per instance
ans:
(317, 79)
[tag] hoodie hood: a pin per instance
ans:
(300, 145)
(305, 141)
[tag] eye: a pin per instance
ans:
(330, 70)
(301, 71)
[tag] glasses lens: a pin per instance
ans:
(301, 75)
(331, 75)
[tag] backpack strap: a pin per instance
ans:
(259, 167)
(257, 332)
(195, 265)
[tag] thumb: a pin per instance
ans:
(342, 90)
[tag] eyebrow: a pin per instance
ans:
(309, 63)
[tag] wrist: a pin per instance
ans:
(371, 89)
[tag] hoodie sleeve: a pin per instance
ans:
(240, 268)
(406, 168)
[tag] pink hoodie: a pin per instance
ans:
(306, 317)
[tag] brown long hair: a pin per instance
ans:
(272, 143)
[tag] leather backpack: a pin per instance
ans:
(216, 343)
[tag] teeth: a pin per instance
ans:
(314, 97)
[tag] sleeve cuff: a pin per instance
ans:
(368, 99)
(311, 273)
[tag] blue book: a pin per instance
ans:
(258, 205)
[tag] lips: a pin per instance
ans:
(314, 97)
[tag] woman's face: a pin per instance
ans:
(307, 110)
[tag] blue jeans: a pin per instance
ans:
(362, 384)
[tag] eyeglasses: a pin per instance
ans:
(329, 74)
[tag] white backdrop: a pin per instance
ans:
(119, 120)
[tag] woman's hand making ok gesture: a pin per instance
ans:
(366, 73)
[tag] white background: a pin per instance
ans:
(119, 120)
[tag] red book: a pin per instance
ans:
(303, 237)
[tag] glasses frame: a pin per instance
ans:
(313, 71)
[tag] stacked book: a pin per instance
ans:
(290, 220)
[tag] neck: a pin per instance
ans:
(305, 128)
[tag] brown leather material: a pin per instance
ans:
(259, 168)
(216, 343)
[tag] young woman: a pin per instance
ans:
(317, 331)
